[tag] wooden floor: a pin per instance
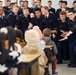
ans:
(62, 69)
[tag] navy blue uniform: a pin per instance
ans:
(3, 21)
(6, 10)
(32, 9)
(24, 22)
(12, 19)
(63, 51)
(72, 41)
(20, 11)
(59, 10)
(73, 9)
(52, 10)
(49, 22)
(36, 21)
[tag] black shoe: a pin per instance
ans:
(71, 65)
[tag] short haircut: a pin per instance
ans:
(71, 10)
(1, 1)
(39, 0)
(25, 1)
(45, 7)
(12, 3)
(60, 1)
(64, 2)
(8, 0)
(15, 5)
(49, 1)
(19, 34)
(20, 1)
(37, 9)
(62, 13)
(46, 32)
(24, 8)
(74, 2)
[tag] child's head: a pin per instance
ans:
(46, 32)
(4, 40)
(19, 34)
(12, 37)
(63, 15)
(39, 31)
(31, 37)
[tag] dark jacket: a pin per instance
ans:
(72, 28)
(12, 19)
(3, 21)
(8, 60)
(49, 22)
(48, 41)
(24, 22)
(36, 21)
(52, 10)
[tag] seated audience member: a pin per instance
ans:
(32, 38)
(48, 41)
(8, 58)
(19, 38)
(13, 46)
